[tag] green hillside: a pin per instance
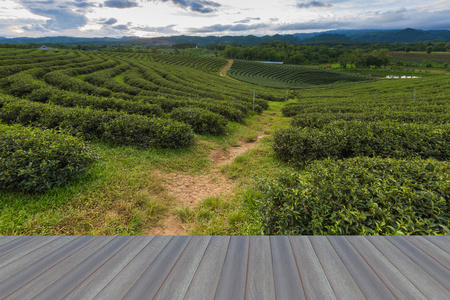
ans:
(288, 76)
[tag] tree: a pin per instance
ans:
(345, 59)
(447, 46)
(407, 49)
(429, 49)
(382, 55)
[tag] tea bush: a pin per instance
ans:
(201, 120)
(343, 139)
(35, 160)
(109, 126)
(318, 120)
(359, 196)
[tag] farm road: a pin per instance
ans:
(189, 189)
(223, 72)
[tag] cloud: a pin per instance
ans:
(221, 28)
(322, 24)
(120, 3)
(200, 6)
(82, 4)
(110, 21)
(61, 17)
(33, 27)
(248, 20)
(164, 30)
(121, 27)
(406, 18)
(315, 4)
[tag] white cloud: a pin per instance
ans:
(174, 17)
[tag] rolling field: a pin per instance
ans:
(370, 159)
(418, 57)
(132, 143)
(287, 76)
(103, 125)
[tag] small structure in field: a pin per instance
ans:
(43, 47)
(271, 62)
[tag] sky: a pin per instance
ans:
(154, 18)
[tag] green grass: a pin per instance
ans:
(124, 192)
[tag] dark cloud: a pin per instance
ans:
(33, 27)
(120, 3)
(313, 25)
(82, 4)
(61, 16)
(248, 20)
(316, 4)
(164, 30)
(110, 21)
(200, 6)
(221, 28)
(121, 27)
(404, 18)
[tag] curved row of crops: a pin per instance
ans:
(287, 76)
(132, 99)
(369, 159)
(110, 81)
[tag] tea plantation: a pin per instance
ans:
(288, 76)
(87, 136)
(370, 159)
(140, 100)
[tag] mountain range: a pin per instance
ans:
(407, 35)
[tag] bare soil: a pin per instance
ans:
(223, 72)
(189, 190)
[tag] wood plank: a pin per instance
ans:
(432, 267)
(206, 278)
(315, 282)
(369, 283)
(7, 238)
(24, 250)
(394, 280)
(431, 249)
(148, 284)
(36, 278)
(288, 284)
(127, 277)
(99, 279)
(341, 281)
(32, 257)
(427, 285)
(179, 278)
(234, 272)
(442, 242)
(260, 282)
(84, 269)
(14, 244)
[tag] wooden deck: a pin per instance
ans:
(220, 267)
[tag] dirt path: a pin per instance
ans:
(223, 72)
(189, 190)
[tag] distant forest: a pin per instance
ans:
(362, 54)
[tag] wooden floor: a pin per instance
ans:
(220, 267)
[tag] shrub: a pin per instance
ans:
(109, 126)
(201, 120)
(342, 139)
(35, 160)
(319, 120)
(359, 196)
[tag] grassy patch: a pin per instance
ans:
(122, 195)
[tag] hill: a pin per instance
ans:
(407, 35)
(325, 37)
